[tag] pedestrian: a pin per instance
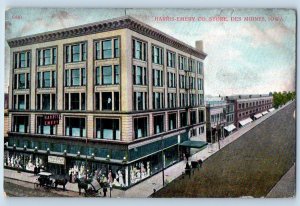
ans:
(104, 191)
(70, 178)
(35, 170)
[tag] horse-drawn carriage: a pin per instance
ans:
(91, 187)
(47, 180)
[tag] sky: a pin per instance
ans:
(243, 57)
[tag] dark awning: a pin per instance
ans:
(193, 144)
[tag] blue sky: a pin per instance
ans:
(243, 57)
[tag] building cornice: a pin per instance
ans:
(125, 22)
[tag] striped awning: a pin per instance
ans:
(230, 127)
(245, 121)
(259, 115)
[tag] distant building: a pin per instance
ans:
(249, 107)
(230, 114)
(215, 118)
(6, 119)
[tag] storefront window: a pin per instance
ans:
(108, 129)
(172, 121)
(75, 127)
(21, 124)
(140, 127)
(158, 124)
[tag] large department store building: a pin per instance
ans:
(116, 95)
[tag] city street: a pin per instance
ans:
(250, 166)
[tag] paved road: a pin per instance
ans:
(250, 166)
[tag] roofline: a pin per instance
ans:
(124, 22)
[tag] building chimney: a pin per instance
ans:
(199, 45)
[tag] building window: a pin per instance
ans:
(41, 128)
(201, 116)
(172, 100)
(183, 119)
(46, 79)
(182, 81)
(107, 75)
(21, 101)
(199, 67)
(158, 100)
(47, 56)
(22, 81)
(140, 127)
(192, 65)
(108, 129)
(76, 52)
(139, 50)
(140, 100)
(22, 60)
(75, 127)
(106, 100)
(75, 77)
(139, 75)
(75, 101)
(182, 62)
(107, 49)
(21, 124)
(183, 99)
(200, 84)
(171, 79)
(158, 122)
(158, 78)
(193, 117)
(172, 121)
(157, 55)
(171, 59)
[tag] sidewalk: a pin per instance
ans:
(145, 188)
(286, 187)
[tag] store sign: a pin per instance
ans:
(56, 160)
(51, 119)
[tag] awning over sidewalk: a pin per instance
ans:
(259, 115)
(265, 112)
(193, 144)
(271, 110)
(230, 127)
(245, 121)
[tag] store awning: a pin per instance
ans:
(259, 115)
(265, 112)
(193, 144)
(271, 110)
(230, 127)
(245, 121)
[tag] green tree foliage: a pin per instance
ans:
(281, 98)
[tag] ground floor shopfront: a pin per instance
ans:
(122, 166)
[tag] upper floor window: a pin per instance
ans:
(158, 121)
(139, 50)
(75, 127)
(47, 56)
(140, 100)
(139, 75)
(199, 67)
(107, 75)
(183, 119)
(182, 81)
(22, 81)
(45, 102)
(108, 129)
(200, 84)
(171, 79)
(158, 100)
(107, 101)
(172, 100)
(182, 62)
(158, 78)
(192, 66)
(193, 117)
(21, 124)
(140, 127)
(46, 79)
(75, 101)
(75, 77)
(157, 55)
(41, 128)
(21, 101)
(76, 52)
(107, 49)
(172, 121)
(22, 59)
(171, 59)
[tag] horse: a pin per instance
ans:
(61, 180)
(82, 185)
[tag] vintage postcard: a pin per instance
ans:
(150, 103)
